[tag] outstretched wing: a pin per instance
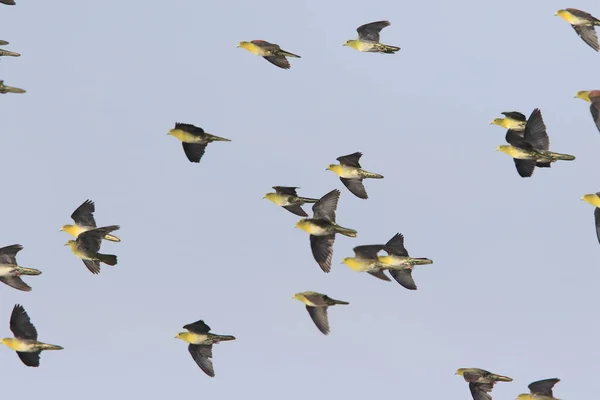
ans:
(8, 254)
(21, 325)
(83, 215)
(370, 32)
(202, 354)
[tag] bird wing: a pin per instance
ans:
(356, 187)
(319, 317)
(30, 359)
(594, 110)
(202, 354)
(543, 387)
(525, 167)
(21, 325)
(296, 209)
(581, 14)
(515, 138)
(279, 61)
(535, 131)
(597, 221)
(8, 254)
(368, 251)
(89, 241)
(480, 391)
(92, 265)
(472, 375)
(194, 151)
(263, 44)
(289, 190)
(370, 32)
(322, 249)
(404, 278)
(379, 274)
(395, 246)
(189, 128)
(326, 206)
(517, 116)
(83, 215)
(350, 160)
(197, 327)
(588, 35)
(16, 282)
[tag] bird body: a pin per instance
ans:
(203, 338)
(269, 51)
(583, 23)
(368, 39)
(399, 263)
(323, 227)
(543, 156)
(513, 120)
(10, 271)
(194, 140)
(83, 216)
(316, 305)
(481, 382)
(344, 171)
(351, 174)
(87, 247)
(394, 261)
(76, 230)
(286, 197)
(28, 346)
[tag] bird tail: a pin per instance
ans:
(420, 261)
(308, 199)
(28, 271)
(111, 238)
(45, 346)
(288, 54)
(214, 138)
(224, 338)
(108, 259)
(9, 53)
(385, 48)
(367, 174)
(501, 378)
(345, 231)
(559, 156)
(340, 302)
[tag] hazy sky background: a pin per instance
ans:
(514, 284)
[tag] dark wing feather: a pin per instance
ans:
(8, 254)
(197, 327)
(581, 14)
(517, 116)
(326, 206)
(83, 215)
(480, 391)
(16, 282)
(90, 240)
(404, 278)
(30, 359)
(296, 209)
(322, 250)
(368, 251)
(595, 113)
(588, 35)
(597, 222)
(535, 131)
(379, 274)
(21, 325)
(263, 44)
(189, 128)
(370, 32)
(543, 387)
(279, 61)
(516, 139)
(289, 190)
(525, 167)
(193, 151)
(319, 317)
(395, 246)
(350, 160)
(92, 265)
(316, 298)
(202, 354)
(356, 187)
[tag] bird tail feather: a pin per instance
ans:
(502, 378)
(373, 175)
(559, 156)
(111, 238)
(308, 199)
(386, 48)
(218, 139)
(421, 261)
(288, 54)
(346, 231)
(340, 302)
(223, 338)
(29, 271)
(46, 346)
(9, 53)
(108, 259)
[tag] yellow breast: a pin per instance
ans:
(277, 199)
(357, 265)
(310, 228)
(592, 199)
(193, 338)
(254, 49)
(73, 230)
(17, 345)
(344, 171)
(570, 18)
(184, 136)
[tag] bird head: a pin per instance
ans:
(64, 228)
(243, 44)
(70, 243)
(303, 224)
(350, 43)
(297, 296)
(583, 95)
(269, 196)
(592, 199)
(560, 13)
(498, 121)
(460, 371)
(503, 148)
(332, 167)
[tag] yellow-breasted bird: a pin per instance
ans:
(84, 220)
(481, 382)
(533, 148)
(583, 23)
(366, 260)
(368, 39)
(593, 97)
(594, 199)
(9, 89)
(399, 263)
(540, 390)
(8, 2)
(25, 341)
(194, 140)
(351, 174)
(286, 197)
(322, 229)
(269, 51)
(10, 271)
(316, 305)
(87, 245)
(200, 344)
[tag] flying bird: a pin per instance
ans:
(8, 2)
(200, 344)
(84, 220)
(316, 305)
(593, 97)
(366, 260)
(194, 140)
(322, 229)
(269, 51)
(583, 23)
(368, 39)
(87, 247)
(351, 174)
(9, 89)
(594, 199)
(399, 263)
(25, 341)
(533, 148)
(481, 382)
(10, 271)
(540, 390)
(286, 197)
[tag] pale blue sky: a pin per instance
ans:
(514, 284)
